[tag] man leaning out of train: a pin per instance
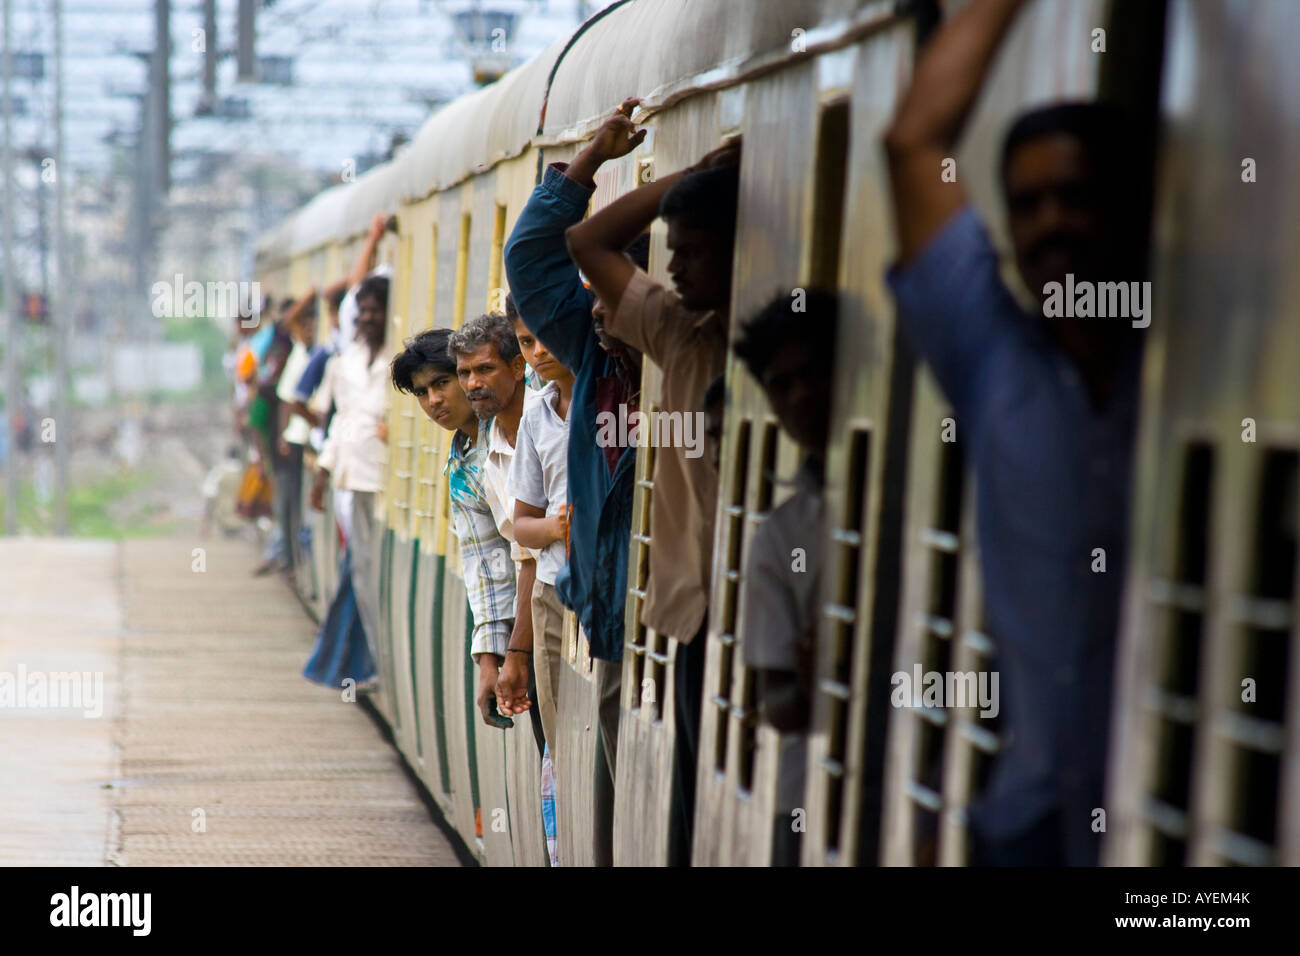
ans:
(1048, 407)
(538, 485)
(789, 347)
(685, 334)
(490, 368)
(568, 320)
(427, 370)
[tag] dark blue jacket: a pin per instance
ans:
(556, 308)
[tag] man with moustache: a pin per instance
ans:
(490, 370)
(426, 370)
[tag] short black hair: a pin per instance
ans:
(706, 200)
(336, 298)
(639, 251)
(374, 287)
(428, 348)
(512, 311)
(1105, 129)
(780, 324)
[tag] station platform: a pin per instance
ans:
(209, 748)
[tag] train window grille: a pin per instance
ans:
(402, 425)
(1181, 626)
(971, 739)
(649, 648)
(1259, 630)
(847, 542)
(942, 539)
(744, 709)
(733, 552)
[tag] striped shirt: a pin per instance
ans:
(485, 559)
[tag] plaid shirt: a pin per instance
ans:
(485, 560)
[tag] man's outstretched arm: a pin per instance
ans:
(930, 118)
(366, 259)
(550, 296)
(597, 244)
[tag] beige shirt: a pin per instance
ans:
(353, 453)
(691, 349)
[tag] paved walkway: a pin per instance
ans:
(211, 749)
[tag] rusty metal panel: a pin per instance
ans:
(524, 792)
(498, 846)
(427, 695)
(578, 728)
(1199, 774)
(458, 712)
(396, 642)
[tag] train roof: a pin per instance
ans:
(661, 50)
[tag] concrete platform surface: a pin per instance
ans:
(209, 748)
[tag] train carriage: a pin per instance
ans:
(1196, 774)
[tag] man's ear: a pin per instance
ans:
(517, 365)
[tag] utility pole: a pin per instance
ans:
(60, 314)
(13, 332)
(210, 56)
(246, 40)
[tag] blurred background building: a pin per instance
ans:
(189, 127)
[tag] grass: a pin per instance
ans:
(90, 509)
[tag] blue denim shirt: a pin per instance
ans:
(1052, 484)
(557, 309)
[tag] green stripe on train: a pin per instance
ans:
(410, 641)
(439, 714)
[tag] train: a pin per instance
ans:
(1197, 775)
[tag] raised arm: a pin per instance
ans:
(925, 130)
(597, 244)
(366, 259)
(299, 308)
(543, 278)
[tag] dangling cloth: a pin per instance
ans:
(341, 650)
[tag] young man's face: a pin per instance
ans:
(700, 267)
(441, 398)
(371, 321)
(799, 391)
(543, 362)
(488, 380)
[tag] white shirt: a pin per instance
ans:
(353, 452)
(539, 472)
(496, 475)
(297, 430)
